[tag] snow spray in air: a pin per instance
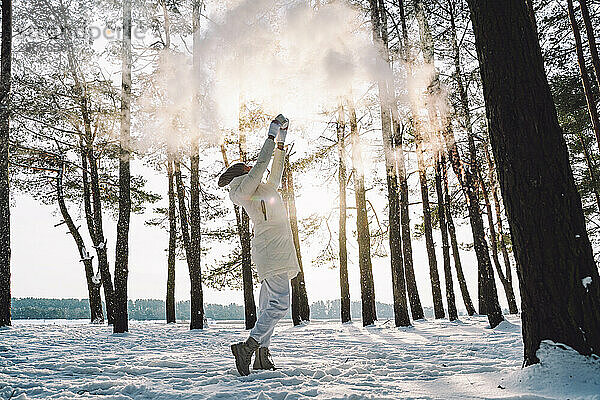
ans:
(285, 56)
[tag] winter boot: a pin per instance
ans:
(242, 352)
(263, 359)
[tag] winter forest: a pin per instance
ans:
(405, 194)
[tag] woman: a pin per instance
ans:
(273, 250)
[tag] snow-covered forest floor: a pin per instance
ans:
(324, 360)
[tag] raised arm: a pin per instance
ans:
(252, 179)
(276, 168)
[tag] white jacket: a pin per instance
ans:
(273, 249)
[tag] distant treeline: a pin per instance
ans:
(141, 310)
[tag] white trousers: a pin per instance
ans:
(273, 304)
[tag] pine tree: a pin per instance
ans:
(440, 176)
(170, 300)
(300, 305)
(196, 293)
(379, 22)
(421, 135)
(343, 252)
(95, 301)
(122, 249)
(411, 283)
(367, 286)
(5, 81)
(551, 245)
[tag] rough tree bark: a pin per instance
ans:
(96, 314)
(300, 306)
(196, 294)
(343, 252)
(440, 175)
(170, 300)
(5, 80)
(367, 286)
(122, 249)
(380, 36)
(560, 286)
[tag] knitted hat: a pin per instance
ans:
(233, 171)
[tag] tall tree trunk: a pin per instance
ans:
(248, 286)
(560, 286)
(436, 290)
(93, 219)
(409, 271)
(243, 230)
(196, 294)
(367, 286)
(96, 314)
(462, 283)
(585, 78)
(411, 282)
(300, 306)
(426, 43)
(401, 318)
(440, 172)
(468, 178)
(185, 228)
(508, 289)
(98, 237)
(589, 30)
(5, 80)
(89, 216)
(498, 210)
(488, 295)
(122, 249)
(343, 252)
(95, 225)
(170, 301)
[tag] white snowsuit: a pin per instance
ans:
(273, 304)
(273, 249)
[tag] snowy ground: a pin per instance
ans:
(324, 360)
